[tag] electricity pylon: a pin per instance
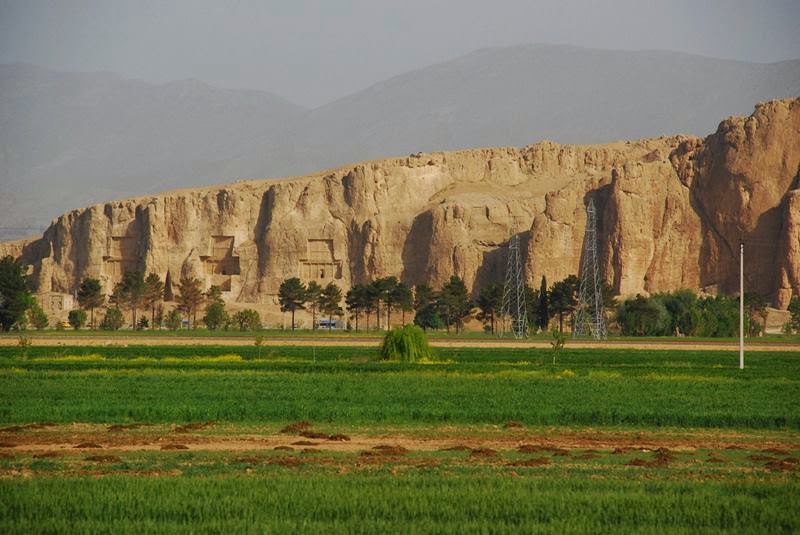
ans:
(590, 319)
(514, 291)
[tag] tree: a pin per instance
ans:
(130, 293)
(153, 294)
(355, 300)
(490, 301)
(382, 292)
(113, 320)
(168, 294)
(407, 344)
(390, 294)
(404, 300)
(77, 318)
(756, 307)
(215, 316)
(718, 316)
(190, 297)
(214, 294)
(643, 316)
(794, 311)
(330, 301)
(564, 298)
(314, 300)
(90, 295)
(454, 302)
(532, 308)
(544, 305)
(292, 296)
(37, 317)
(15, 294)
(371, 301)
(159, 319)
(682, 306)
(173, 320)
(247, 320)
(426, 314)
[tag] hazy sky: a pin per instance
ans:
(312, 52)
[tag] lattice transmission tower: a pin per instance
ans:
(590, 319)
(514, 291)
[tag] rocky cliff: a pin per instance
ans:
(672, 211)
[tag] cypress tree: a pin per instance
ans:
(544, 305)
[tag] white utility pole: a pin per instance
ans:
(741, 306)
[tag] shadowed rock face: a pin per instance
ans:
(672, 211)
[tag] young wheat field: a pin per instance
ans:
(331, 439)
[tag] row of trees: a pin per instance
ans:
(683, 312)
(444, 308)
(543, 305)
(293, 295)
(672, 313)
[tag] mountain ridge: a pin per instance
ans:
(668, 210)
(110, 137)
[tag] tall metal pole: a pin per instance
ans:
(741, 306)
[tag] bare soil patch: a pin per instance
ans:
(567, 443)
(48, 455)
(26, 427)
(103, 458)
(540, 461)
(186, 428)
(483, 452)
(125, 427)
(296, 427)
(457, 447)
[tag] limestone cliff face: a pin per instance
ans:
(671, 212)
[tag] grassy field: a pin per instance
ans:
(667, 441)
(584, 387)
(443, 492)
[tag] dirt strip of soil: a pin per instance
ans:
(95, 441)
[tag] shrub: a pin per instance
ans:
(215, 316)
(38, 317)
(113, 320)
(77, 318)
(173, 320)
(408, 344)
(643, 316)
(247, 320)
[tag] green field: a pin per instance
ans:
(430, 493)
(735, 439)
(334, 384)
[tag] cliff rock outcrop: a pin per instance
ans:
(672, 211)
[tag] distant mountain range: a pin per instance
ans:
(72, 139)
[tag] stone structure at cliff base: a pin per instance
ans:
(671, 212)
